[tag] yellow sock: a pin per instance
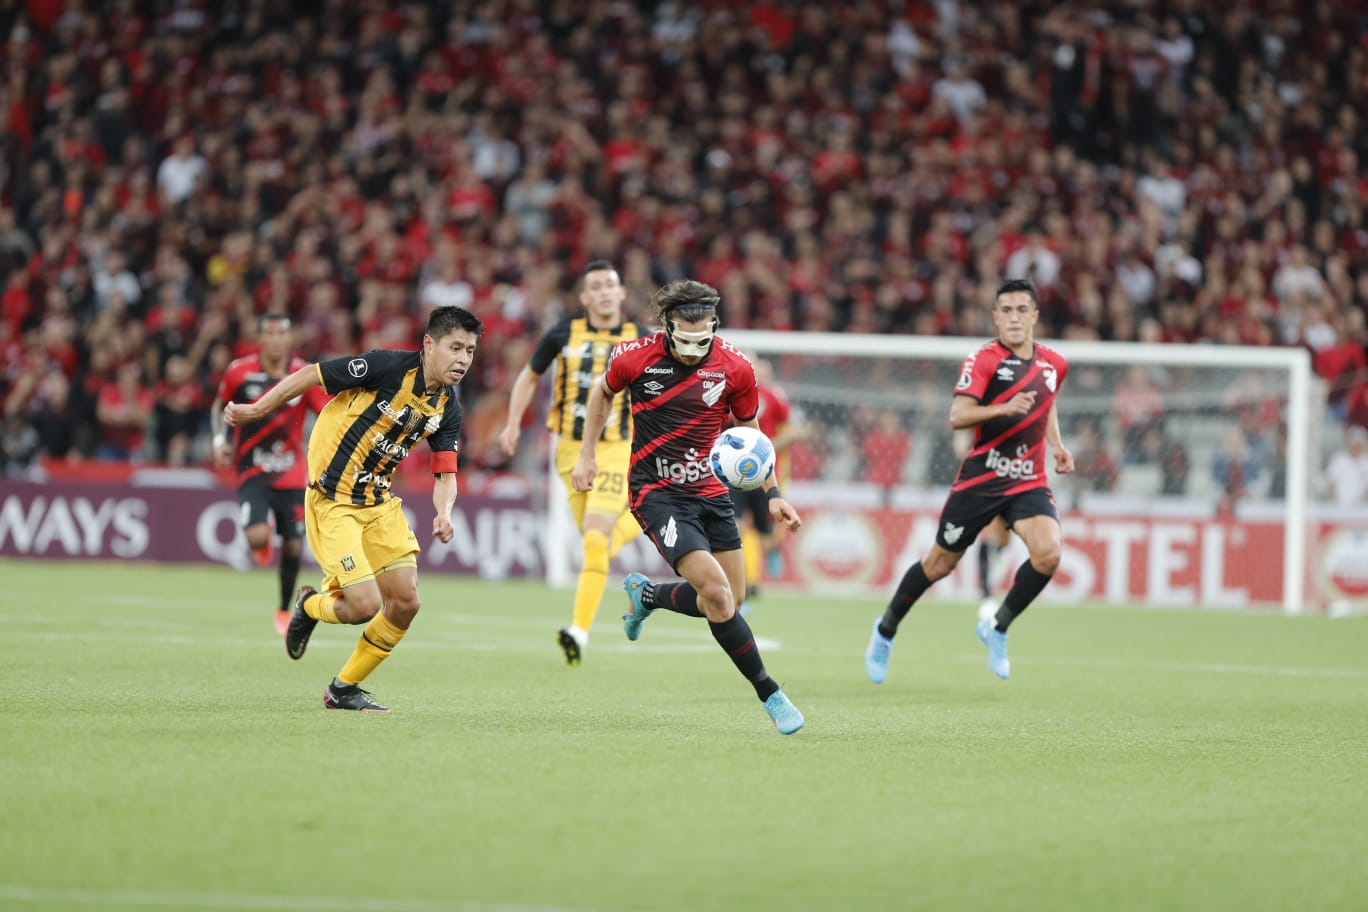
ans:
(624, 530)
(322, 606)
(593, 579)
(374, 646)
(753, 548)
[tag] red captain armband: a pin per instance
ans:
(443, 463)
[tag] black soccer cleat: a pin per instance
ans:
(570, 646)
(351, 696)
(301, 625)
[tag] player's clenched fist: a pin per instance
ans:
(238, 413)
(442, 530)
(583, 475)
(1021, 403)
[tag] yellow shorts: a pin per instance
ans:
(610, 486)
(352, 544)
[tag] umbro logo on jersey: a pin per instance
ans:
(952, 533)
(669, 533)
(710, 396)
(653, 387)
(1005, 373)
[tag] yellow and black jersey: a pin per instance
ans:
(581, 354)
(379, 411)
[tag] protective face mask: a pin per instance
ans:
(692, 344)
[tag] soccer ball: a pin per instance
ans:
(742, 457)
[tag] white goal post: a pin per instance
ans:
(1164, 534)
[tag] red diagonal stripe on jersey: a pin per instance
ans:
(1011, 431)
(641, 495)
(1025, 486)
(277, 419)
(663, 439)
(646, 405)
(974, 482)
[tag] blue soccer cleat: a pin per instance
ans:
(876, 654)
(996, 641)
(635, 584)
(785, 715)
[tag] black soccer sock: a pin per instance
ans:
(985, 566)
(914, 583)
(735, 638)
(681, 598)
(1029, 582)
(289, 575)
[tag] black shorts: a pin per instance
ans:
(257, 501)
(678, 525)
(966, 513)
(756, 503)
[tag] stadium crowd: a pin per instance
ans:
(1167, 171)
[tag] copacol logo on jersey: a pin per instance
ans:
(1011, 468)
(692, 469)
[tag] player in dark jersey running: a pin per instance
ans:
(268, 455)
(383, 404)
(687, 385)
(1006, 392)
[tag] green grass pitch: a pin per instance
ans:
(161, 752)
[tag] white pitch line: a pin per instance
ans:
(500, 638)
(19, 893)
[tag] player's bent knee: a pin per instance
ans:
(257, 536)
(1047, 560)
(717, 601)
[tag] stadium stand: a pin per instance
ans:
(1176, 171)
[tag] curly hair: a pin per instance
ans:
(686, 299)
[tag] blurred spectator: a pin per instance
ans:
(1094, 466)
(181, 172)
(179, 413)
(1138, 406)
(1347, 471)
(1237, 466)
(124, 410)
(1184, 176)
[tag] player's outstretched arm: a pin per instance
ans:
(518, 400)
(1064, 461)
(443, 499)
(297, 384)
(223, 450)
(779, 508)
(595, 417)
(966, 412)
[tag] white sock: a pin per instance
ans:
(580, 636)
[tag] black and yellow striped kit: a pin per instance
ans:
(581, 353)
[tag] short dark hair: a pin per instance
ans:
(445, 320)
(271, 317)
(1010, 286)
(686, 299)
(595, 266)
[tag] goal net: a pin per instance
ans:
(1191, 488)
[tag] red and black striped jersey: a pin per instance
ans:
(678, 411)
(1008, 455)
(272, 449)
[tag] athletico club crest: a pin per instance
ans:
(1050, 377)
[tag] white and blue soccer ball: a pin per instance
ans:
(742, 458)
